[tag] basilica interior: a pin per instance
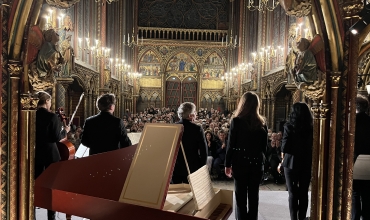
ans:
(161, 53)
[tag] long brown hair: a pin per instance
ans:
(248, 108)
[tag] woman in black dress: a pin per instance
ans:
(297, 158)
(245, 155)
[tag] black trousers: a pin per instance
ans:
(39, 168)
(247, 194)
(274, 163)
(298, 182)
(361, 200)
(216, 165)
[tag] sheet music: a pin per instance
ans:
(134, 137)
(82, 151)
(201, 185)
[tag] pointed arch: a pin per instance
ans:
(150, 63)
(181, 62)
(214, 66)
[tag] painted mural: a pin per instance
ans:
(182, 63)
(150, 64)
(213, 67)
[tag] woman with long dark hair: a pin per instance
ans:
(245, 155)
(297, 158)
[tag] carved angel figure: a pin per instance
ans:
(309, 67)
(48, 59)
(305, 69)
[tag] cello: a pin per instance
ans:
(66, 149)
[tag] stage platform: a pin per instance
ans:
(273, 202)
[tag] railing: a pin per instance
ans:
(182, 34)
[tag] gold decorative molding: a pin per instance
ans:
(63, 4)
(351, 9)
(335, 79)
(212, 84)
(323, 109)
(150, 82)
(15, 68)
(28, 102)
(296, 8)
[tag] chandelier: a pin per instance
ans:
(267, 54)
(131, 41)
(263, 5)
(230, 44)
(97, 51)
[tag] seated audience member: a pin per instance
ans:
(220, 154)
(212, 149)
(71, 138)
(78, 137)
(274, 157)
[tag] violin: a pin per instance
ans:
(66, 149)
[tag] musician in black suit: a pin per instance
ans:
(48, 132)
(245, 155)
(361, 188)
(194, 143)
(297, 158)
(104, 132)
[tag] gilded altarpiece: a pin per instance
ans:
(202, 67)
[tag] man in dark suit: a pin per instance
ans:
(361, 190)
(104, 132)
(194, 143)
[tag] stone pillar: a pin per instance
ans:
(60, 93)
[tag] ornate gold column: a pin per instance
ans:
(27, 161)
(335, 77)
(17, 194)
(315, 197)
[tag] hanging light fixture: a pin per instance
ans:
(263, 5)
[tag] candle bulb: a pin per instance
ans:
(236, 36)
(128, 38)
(79, 42)
(124, 36)
(296, 32)
(137, 39)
